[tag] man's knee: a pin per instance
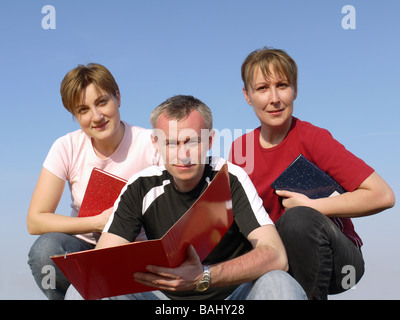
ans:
(277, 285)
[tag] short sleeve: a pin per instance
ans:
(342, 165)
(57, 159)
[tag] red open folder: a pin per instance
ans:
(101, 192)
(107, 272)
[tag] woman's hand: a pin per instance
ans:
(101, 220)
(293, 199)
(372, 196)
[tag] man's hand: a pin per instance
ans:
(184, 277)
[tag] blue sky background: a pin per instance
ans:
(348, 83)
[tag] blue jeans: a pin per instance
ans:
(318, 252)
(47, 245)
(273, 285)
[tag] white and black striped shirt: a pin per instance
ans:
(151, 200)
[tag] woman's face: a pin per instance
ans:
(98, 115)
(272, 98)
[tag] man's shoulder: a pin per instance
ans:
(150, 173)
(216, 163)
(236, 173)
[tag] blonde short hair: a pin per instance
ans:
(77, 79)
(269, 60)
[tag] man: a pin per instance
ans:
(249, 260)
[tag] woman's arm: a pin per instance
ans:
(372, 196)
(41, 213)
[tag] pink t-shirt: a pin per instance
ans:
(72, 158)
(317, 145)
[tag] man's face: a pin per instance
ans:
(183, 145)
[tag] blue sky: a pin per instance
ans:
(348, 83)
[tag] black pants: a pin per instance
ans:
(321, 258)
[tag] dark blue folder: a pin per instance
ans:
(304, 177)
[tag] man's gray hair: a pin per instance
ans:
(179, 107)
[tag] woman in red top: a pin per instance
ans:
(318, 234)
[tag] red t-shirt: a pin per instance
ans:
(317, 145)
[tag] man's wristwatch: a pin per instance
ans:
(204, 283)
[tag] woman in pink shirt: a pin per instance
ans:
(91, 94)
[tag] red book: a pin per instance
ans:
(108, 272)
(101, 192)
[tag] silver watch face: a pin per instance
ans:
(202, 285)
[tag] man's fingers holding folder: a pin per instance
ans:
(180, 278)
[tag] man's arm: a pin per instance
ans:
(110, 240)
(268, 254)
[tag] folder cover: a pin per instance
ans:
(107, 272)
(101, 192)
(304, 177)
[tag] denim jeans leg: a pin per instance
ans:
(317, 251)
(273, 285)
(73, 294)
(47, 245)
